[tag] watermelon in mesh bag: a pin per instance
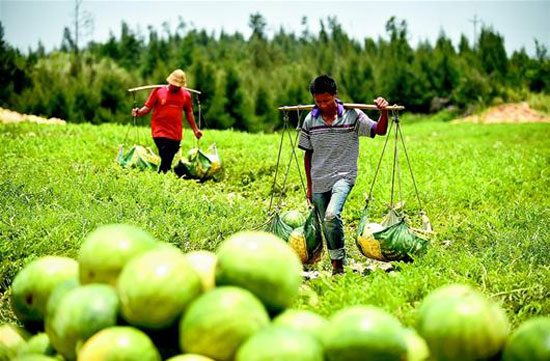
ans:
(278, 227)
(307, 241)
(138, 157)
(199, 164)
(393, 240)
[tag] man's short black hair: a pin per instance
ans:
(322, 84)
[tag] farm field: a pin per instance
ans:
(485, 188)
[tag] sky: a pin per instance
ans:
(519, 22)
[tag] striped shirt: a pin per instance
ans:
(335, 148)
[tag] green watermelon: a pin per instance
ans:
(459, 323)
(57, 295)
(38, 344)
(6, 354)
(417, 349)
(35, 357)
(156, 287)
(106, 250)
(12, 339)
(33, 285)
(190, 357)
(262, 263)
(81, 312)
(280, 343)
(293, 218)
(361, 333)
(530, 342)
(219, 321)
(204, 263)
(301, 320)
(119, 343)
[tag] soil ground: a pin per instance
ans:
(507, 113)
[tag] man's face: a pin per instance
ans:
(173, 88)
(326, 102)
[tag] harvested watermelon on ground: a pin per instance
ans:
(280, 343)
(35, 357)
(219, 321)
(38, 344)
(106, 250)
(12, 339)
(190, 357)
(302, 320)
(119, 343)
(417, 348)
(156, 287)
(204, 263)
(33, 285)
(81, 313)
(461, 324)
(361, 333)
(262, 263)
(530, 342)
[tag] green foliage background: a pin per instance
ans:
(244, 80)
(485, 188)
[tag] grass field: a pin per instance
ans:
(485, 188)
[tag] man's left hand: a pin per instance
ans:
(381, 102)
(198, 134)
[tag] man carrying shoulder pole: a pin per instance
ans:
(167, 104)
(330, 139)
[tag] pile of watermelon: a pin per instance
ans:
(129, 297)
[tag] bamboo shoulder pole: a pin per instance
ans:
(346, 105)
(160, 86)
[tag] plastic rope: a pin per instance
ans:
(293, 155)
(294, 145)
(379, 163)
(285, 120)
(395, 159)
(134, 105)
(200, 118)
(410, 168)
(286, 176)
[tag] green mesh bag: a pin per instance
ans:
(393, 240)
(138, 157)
(307, 241)
(199, 164)
(279, 228)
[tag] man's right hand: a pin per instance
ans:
(308, 196)
(135, 112)
(198, 134)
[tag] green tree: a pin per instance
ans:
(130, 48)
(235, 107)
(492, 53)
(258, 43)
(445, 67)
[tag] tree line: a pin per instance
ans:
(243, 81)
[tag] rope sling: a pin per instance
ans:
(138, 156)
(197, 164)
(302, 233)
(307, 239)
(293, 156)
(393, 239)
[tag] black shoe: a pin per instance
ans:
(337, 267)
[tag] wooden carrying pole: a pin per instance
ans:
(346, 105)
(160, 86)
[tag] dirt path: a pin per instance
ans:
(9, 116)
(506, 113)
